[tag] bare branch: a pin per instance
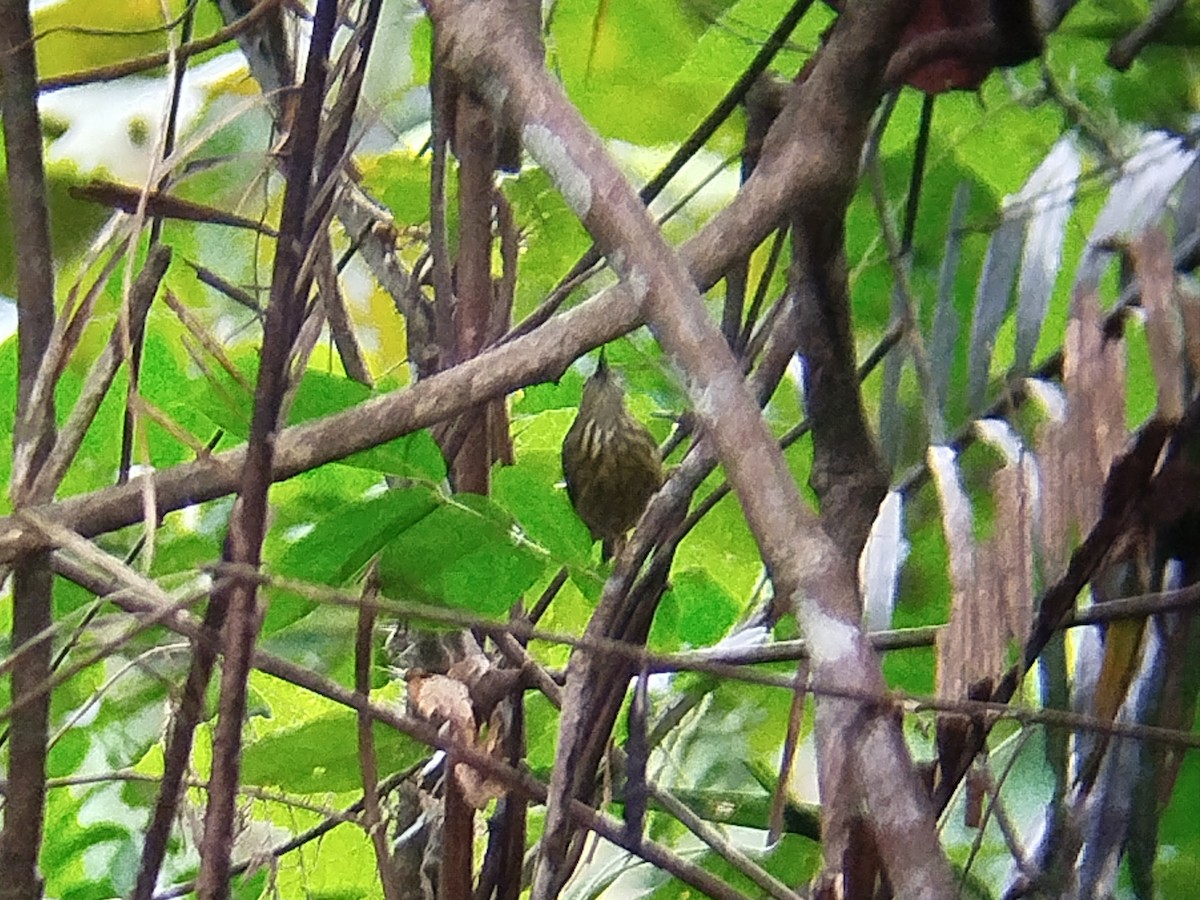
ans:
(243, 545)
(33, 433)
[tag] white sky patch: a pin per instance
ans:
(643, 162)
(546, 147)
(103, 141)
(8, 318)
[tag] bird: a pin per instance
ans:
(610, 461)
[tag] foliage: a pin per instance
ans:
(1033, 189)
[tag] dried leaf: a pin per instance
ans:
(440, 698)
(477, 789)
(955, 642)
(1164, 326)
(1008, 555)
(1094, 379)
(1056, 519)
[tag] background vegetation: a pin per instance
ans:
(1023, 312)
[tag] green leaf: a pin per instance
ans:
(321, 756)
(321, 394)
(695, 612)
(552, 239)
(413, 455)
(400, 181)
(794, 860)
(251, 886)
(724, 51)
(79, 34)
(463, 555)
(626, 94)
(322, 641)
(340, 546)
(561, 394)
(528, 491)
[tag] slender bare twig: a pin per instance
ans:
(332, 820)
(243, 545)
(372, 819)
(338, 316)
(665, 799)
(100, 376)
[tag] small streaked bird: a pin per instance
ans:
(610, 461)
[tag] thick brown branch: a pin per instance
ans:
(848, 473)
(33, 433)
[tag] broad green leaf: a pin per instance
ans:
(1177, 871)
(414, 455)
(695, 612)
(794, 860)
(527, 490)
(462, 554)
(340, 546)
(401, 182)
(341, 867)
(321, 755)
(561, 394)
(251, 886)
(69, 752)
(626, 94)
(322, 641)
(726, 48)
(553, 240)
(78, 34)
(722, 545)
